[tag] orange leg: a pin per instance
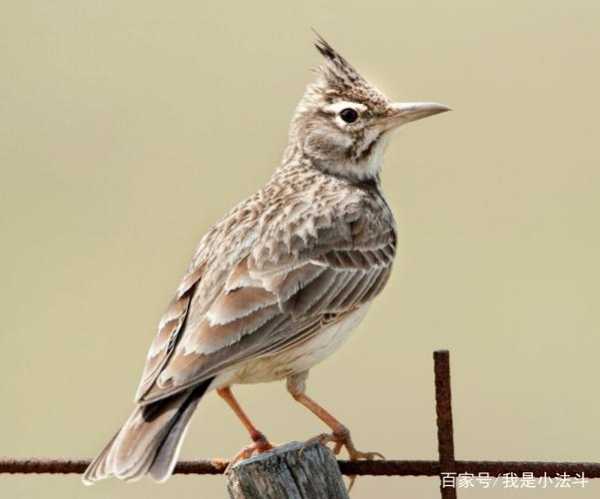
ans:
(340, 435)
(261, 444)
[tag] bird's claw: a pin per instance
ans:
(323, 438)
(368, 456)
(259, 446)
(341, 438)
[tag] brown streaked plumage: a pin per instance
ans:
(276, 285)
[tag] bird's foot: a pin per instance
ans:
(260, 444)
(341, 438)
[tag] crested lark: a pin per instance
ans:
(278, 284)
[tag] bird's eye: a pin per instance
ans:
(349, 115)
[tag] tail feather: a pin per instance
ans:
(166, 457)
(149, 441)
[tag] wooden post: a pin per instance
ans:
(294, 470)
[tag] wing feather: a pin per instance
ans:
(240, 302)
(312, 293)
(356, 278)
(168, 330)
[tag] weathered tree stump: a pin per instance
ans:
(294, 471)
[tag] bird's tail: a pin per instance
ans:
(149, 441)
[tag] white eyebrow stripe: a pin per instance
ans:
(336, 107)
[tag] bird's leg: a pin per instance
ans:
(261, 444)
(296, 385)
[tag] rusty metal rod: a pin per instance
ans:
(374, 468)
(443, 409)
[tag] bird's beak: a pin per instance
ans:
(404, 112)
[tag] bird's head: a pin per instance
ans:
(343, 122)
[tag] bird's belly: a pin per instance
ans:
(302, 356)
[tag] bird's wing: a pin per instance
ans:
(277, 292)
(169, 328)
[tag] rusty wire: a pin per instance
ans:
(445, 464)
(369, 468)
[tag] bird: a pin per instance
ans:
(279, 283)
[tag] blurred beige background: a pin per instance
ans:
(127, 128)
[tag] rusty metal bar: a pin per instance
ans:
(523, 468)
(445, 429)
(372, 468)
(78, 466)
(491, 468)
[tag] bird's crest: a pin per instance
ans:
(342, 79)
(337, 70)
